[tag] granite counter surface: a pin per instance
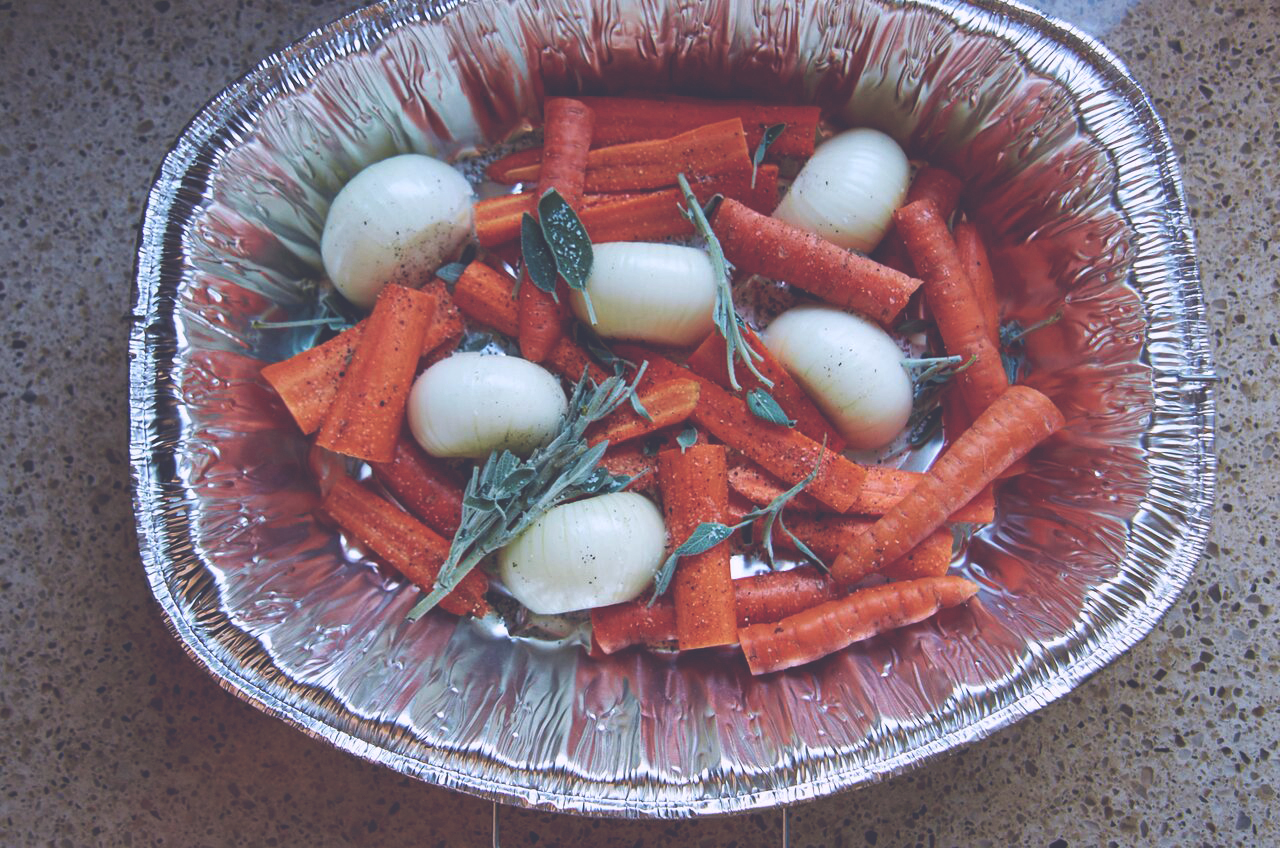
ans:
(114, 737)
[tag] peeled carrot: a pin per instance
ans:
(630, 217)
(695, 489)
(308, 382)
(403, 542)
(632, 461)
(667, 403)
(759, 244)
(929, 183)
(827, 536)
(568, 136)
(365, 417)
(426, 486)
(951, 299)
(977, 265)
(834, 625)
(446, 328)
(715, 148)
(771, 596)
(785, 452)
(1019, 420)
(708, 360)
(882, 488)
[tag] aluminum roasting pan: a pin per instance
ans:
(1062, 156)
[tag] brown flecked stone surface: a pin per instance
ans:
(112, 736)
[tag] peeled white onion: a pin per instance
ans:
(848, 189)
(396, 221)
(589, 553)
(659, 293)
(471, 404)
(849, 366)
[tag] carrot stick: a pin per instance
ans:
(620, 120)
(403, 542)
(929, 183)
(426, 486)
(771, 596)
(695, 489)
(632, 461)
(783, 451)
(630, 217)
(827, 536)
(977, 265)
(568, 137)
(446, 329)
(882, 488)
(1019, 420)
(308, 382)
(762, 245)
(951, 299)
(835, 625)
(667, 403)
(365, 417)
(708, 360)
(484, 296)
(711, 149)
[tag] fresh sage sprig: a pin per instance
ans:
(724, 313)
(762, 405)
(557, 244)
(708, 534)
(928, 376)
(1012, 356)
(507, 494)
(769, 137)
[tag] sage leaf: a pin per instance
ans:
(567, 238)
(539, 261)
(763, 406)
(770, 136)
(688, 438)
(703, 538)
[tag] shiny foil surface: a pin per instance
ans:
(1064, 161)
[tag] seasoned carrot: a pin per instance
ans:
(667, 403)
(632, 461)
(771, 596)
(620, 120)
(365, 417)
(882, 488)
(786, 453)
(695, 489)
(403, 542)
(712, 149)
(827, 536)
(568, 137)
(650, 216)
(759, 244)
(835, 625)
(929, 183)
(960, 319)
(1019, 420)
(446, 328)
(708, 360)
(484, 296)
(977, 265)
(308, 382)
(426, 486)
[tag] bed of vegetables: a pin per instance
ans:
(646, 431)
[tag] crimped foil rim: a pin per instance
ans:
(152, 410)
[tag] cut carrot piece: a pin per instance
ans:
(977, 265)
(759, 244)
(446, 329)
(667, 403)
(827, 536)
(426, 486)
(711, 149)
(403, 542)
(365, 417)
(632, 461)
(951, 299)
(308, 382)
(630, 217)
(761, 598)
(941, 187)
(1019, 420)
(568, 136)
(785, 452)
(709, 361)
(835, 625)
(695, 489)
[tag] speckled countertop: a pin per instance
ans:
(113, 736)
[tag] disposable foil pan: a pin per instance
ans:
(1064, 162)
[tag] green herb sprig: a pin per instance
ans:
(557, 244)
(725, 315)
(928, 376)
(708, 534)
(507, 494)
(1012, 353)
